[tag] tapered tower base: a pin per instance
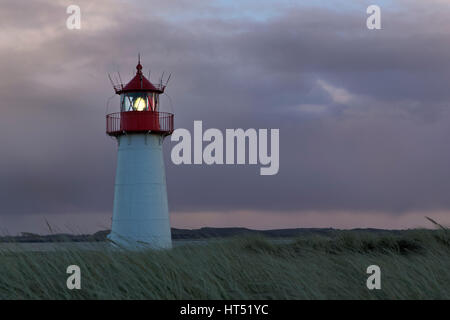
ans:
(141, 213)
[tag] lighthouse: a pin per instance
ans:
(141, 212)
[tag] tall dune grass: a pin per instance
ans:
(414, 265)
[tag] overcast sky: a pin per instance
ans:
(363, 114)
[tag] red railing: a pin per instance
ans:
(139, 121)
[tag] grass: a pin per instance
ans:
(414, 265)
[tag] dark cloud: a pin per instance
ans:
(363, 115)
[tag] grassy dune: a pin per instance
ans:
(414, 265)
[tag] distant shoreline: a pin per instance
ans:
(196, 234)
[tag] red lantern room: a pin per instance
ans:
(139, 108)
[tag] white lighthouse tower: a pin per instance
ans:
(141, 213)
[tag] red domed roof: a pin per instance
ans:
(140, 83)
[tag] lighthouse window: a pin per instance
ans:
(134, 102)
(153, 101)
(126, 103)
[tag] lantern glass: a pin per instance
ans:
(139, 101)
(134, 101)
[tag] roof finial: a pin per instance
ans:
(139, 66)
